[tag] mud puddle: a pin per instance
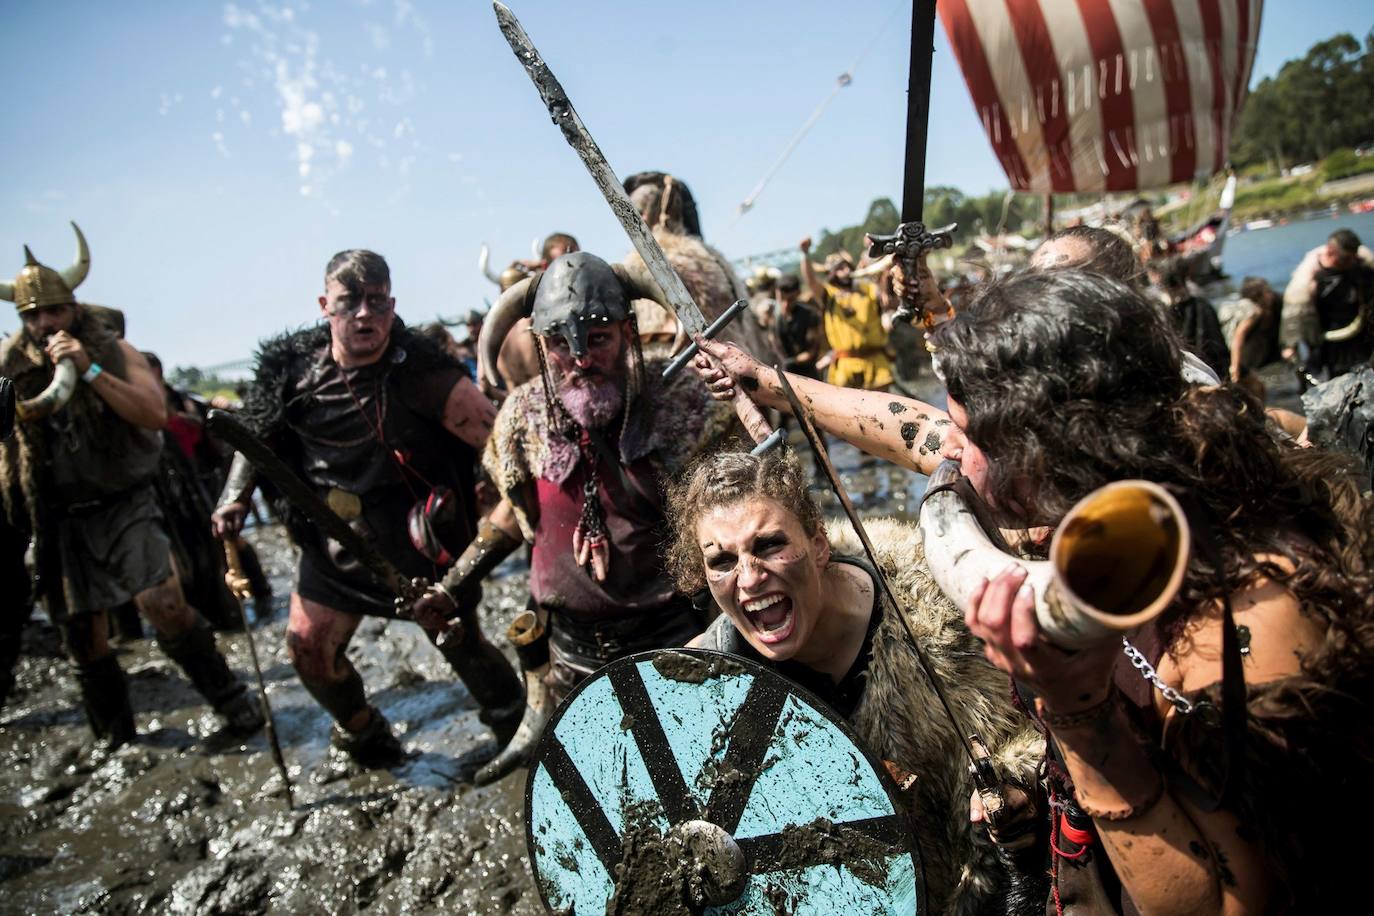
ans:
(172, 825)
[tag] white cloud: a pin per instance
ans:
(379, 36)
(326, 113)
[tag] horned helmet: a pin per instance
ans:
(38, 285)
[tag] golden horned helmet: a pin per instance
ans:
(39, 285)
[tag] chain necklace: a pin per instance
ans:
(1147, 671)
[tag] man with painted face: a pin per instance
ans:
(79, 481)
(384, 424)
(580, 456)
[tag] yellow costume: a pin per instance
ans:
(854, 330)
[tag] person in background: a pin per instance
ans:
(852, 312)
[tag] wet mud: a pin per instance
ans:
(180, 823)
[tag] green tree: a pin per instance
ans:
(1315, 105)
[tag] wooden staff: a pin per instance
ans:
(238, 584)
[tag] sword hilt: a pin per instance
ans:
(234, 576)
(712, 331)
(909, 245)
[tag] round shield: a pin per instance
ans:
(688, 781)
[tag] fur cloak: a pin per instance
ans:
(901, 719)
(710, 279)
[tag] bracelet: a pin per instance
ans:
(1089, 715)
(92, 373)
(1135, 810)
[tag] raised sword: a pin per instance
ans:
(679, 299)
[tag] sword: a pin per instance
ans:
(229, 428)
(238, 585)
(912, 240)
(980, 760)
(580, 139)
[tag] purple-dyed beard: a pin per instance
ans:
(593, 401)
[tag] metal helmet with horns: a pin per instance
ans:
(581, 288)
(578, 290)
(38, 285)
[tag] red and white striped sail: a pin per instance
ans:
(1105, 95)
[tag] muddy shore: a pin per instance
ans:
(177, 823)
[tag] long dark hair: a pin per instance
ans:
(1071, 380)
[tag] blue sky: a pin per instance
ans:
(217, 154)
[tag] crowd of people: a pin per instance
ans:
(1173, 768)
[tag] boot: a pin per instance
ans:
(486, 673)
(195, 652)
(105, 694)
(375, 747)
(531, 643)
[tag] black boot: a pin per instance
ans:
(196, 653)
(105, 694)
(531, 643)
(486, 673)
(375, 747)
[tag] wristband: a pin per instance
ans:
(92, 373)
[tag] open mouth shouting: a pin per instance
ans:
(770, 616)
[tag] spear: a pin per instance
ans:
(238, 584)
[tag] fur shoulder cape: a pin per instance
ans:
(901, 719)
(283, 360)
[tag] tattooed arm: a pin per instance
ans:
(902, 430)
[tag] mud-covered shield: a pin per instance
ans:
(685, 781)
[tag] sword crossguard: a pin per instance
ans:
(909, 245)
(711, 332)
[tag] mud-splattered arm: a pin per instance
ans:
(902, 430)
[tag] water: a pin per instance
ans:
(1273, 253)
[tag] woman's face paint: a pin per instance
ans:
(765, 573)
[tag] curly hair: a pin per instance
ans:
(1071, 380)
(1110, 254)
(727, 478)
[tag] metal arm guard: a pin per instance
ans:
(238, 486)
(485, 553)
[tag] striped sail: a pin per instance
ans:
(1105, 95)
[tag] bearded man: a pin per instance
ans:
(79, 481)
(385, 425)
(580, 456)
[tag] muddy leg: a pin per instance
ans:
(316, 639)
(189, 641)
(485, 672)
(104, 692)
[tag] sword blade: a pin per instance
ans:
(300, 494)
(918, 109)
(580, 139)
(813, 439)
